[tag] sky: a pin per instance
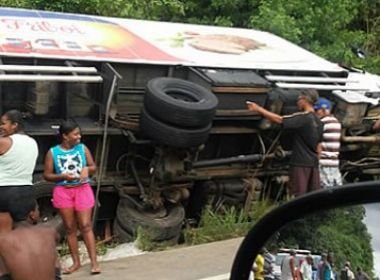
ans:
(373, 225)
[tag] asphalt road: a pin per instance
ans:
(202, 262)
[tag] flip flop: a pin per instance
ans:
(69, 270)
(95, 271)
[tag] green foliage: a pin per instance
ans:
(145, 243)
(321, 26)
(143, 240)
(225, 223)
(103, 247)
(340, 231)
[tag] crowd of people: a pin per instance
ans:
(69, 165)
(304, 267)
(314, 164)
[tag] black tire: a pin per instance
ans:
(162, 227)
(233, 187)
(43, 189)
(120, 234)
(43, 193)
(179, 102)
(228, 201)
(170, 135)
(238, 196)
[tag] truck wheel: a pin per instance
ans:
(49, 215)
(179, 102)
(163, 226)
(171, 135)
(120, 234)
(44, 195)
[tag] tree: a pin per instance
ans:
(340, 231)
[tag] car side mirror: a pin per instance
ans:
(327, 199)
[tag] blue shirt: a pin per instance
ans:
(327, 271)
(69, 161)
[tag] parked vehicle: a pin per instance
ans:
(164, 112)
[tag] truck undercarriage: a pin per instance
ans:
(150, 170)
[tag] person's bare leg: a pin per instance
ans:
(6, 222)
(70, 222)
(85, 226)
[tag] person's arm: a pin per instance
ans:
(49, 174)
(5, 143)
(90, 168)
(273, 117)
(292, 268)
(319, 150)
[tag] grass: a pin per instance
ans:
(101, 248)
(145, 243)
(225, 224)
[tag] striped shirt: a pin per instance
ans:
(332, 131)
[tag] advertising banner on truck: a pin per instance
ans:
(80, 37)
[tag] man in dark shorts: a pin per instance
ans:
(307, 132)
(28, 252)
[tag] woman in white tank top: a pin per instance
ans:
(18, 156)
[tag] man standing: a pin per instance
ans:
(346, 273)
(361, 275)
(259, 266)
(307, 130)
(288, 267)
(329, 154)
(28, 252)
(325, 272)
(306, 270)
(269, 260)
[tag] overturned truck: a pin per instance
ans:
(162, 106)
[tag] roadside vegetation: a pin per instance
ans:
(340, 231)
(225, 223)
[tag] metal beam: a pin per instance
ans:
(319, 86)
(309, 79)
(57, 78)
(42, 68)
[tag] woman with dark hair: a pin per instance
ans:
(18, 156)
(69, 164)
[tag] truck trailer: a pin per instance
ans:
(162, 106)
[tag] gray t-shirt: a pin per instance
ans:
(307, 131)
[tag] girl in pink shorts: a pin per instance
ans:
(69, 165)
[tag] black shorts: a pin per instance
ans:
(18, 201)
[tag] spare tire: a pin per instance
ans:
(44, 195)
(171, 135)
(165, 225)
(120, 234)
(179, 102)
(49, 216)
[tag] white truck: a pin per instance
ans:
(163, 108)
